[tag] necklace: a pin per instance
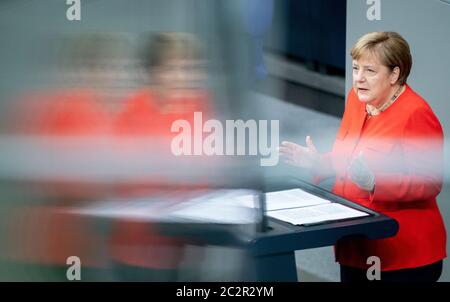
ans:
(372, 110)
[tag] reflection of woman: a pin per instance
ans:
(388, 157)
(173, 61)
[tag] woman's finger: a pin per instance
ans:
(285, 150)
(310, 144)
(290, 145)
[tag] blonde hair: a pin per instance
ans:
(390, 47)
(165, 45)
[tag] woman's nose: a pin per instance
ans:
(359, 76)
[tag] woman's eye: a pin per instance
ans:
(355, 68)
(371, 70)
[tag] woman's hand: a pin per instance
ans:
(300, 156)
(361, 174)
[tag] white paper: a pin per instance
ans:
(316, 214)
(222, 206)
(294, 198)
(208, 206)
(142, 210)
(215, 212)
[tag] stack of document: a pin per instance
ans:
(222, 206)
(219, 206)
(302, 208)
(196, 206)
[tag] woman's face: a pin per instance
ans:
(179, 74)
(372, 81)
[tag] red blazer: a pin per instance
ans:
(145, 114)
(46, 234)
(137, 243)
(403, 148)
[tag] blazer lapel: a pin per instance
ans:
(357, 124)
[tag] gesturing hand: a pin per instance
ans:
(300, 156)
(361, 174)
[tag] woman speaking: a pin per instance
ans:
(387, 156)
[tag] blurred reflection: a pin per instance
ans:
(173, 63)
(47, 123)
(99, 138)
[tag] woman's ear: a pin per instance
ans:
(395, 75)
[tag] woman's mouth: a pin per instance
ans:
(363, 90)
